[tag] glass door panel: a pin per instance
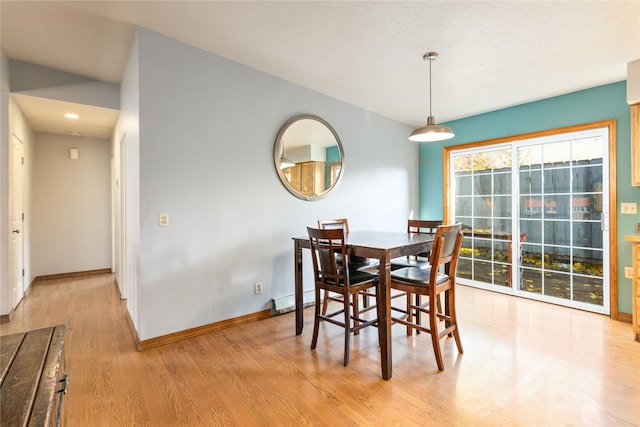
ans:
(532, 227)
(562, 258)
(483, 204)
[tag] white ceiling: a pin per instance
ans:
(493, 54)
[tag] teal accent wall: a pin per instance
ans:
(333, 156)
(585, 106)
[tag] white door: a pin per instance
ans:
(16, 253)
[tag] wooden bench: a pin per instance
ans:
(33, 382)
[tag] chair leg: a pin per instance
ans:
(409, 314)
(454, 320)
(435, 336)
(316, 320)
(356, 313)
(418, 312)
(347, 329)
(439, 304)
(325, 303)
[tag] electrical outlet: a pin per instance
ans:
(628, 208)
(628, 272)
(257, 288)
(163, 220)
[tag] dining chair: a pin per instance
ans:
(354, 262)
(332, 277)
(328, 224)
(439, 279)
(418, 226)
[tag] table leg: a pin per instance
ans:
(297, 268)
(384, 315)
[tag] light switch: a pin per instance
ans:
(163, 220)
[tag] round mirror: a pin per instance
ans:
(308, 157)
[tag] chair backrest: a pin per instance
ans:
(326, 244)
(327, 224)
(420, 226)
(446, 247)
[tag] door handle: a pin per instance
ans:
(16, 231)
(604, 221)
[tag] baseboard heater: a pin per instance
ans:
(286, 304)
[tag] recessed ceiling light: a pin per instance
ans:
(71, 116)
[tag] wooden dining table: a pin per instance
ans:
(382, 246)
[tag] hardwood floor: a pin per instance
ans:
(525, 363)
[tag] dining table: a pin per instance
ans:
(382, 246)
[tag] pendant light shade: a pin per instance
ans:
(431, 131)
(284, 161)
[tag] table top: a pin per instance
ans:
(382, 239)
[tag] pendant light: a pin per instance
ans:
(431, 131)
(285, 162)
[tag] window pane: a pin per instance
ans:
(501, 160)
(587, 148)
(558, 207)
(463, 206)
(463, 185)
(502, 206)
(464, 268)
(502, 225)
(482, 271)
(482, 227)
(482, 184)
(557, 258)
(556, 152)
(556, 233)
(556, 178)
(502, 183)
(530, 181)
(482, 162)
(482, 206)
(531, 280)
(530, 156)
(557, 285)
(533, 230)
(588, 290)
(532, 255)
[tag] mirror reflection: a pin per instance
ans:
(308, 157)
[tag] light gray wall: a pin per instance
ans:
(206, 136)
(72, 205)
(34, 80)
(128, 129)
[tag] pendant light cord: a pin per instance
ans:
(430, 61)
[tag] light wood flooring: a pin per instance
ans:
(525, 364)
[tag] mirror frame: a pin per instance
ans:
(278, 150)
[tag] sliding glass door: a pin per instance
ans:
(534, 217)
